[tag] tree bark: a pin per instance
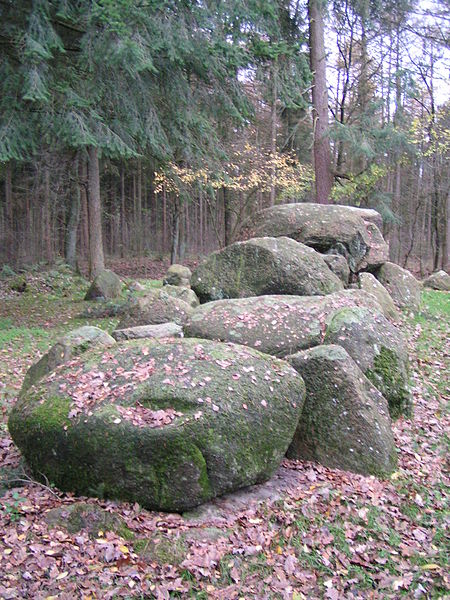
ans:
(228, 216)
(321, 148)
(73, 221)
(175, 233)
(96, 257)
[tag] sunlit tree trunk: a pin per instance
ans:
(321, 150)
(96, 258)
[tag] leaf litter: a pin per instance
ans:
(310, 532)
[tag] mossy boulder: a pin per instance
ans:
(263, 266)
(168, 424)
(106, 285)
(339, 266)
(440, 280)
(277, 325)
(379, 349)
(339, 229)
(178, 275)
(73, 343)
(154, 308)
(345, 420)
(182, 293)
(370, 284)
(401, 285)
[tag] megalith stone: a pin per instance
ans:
(166, 423)
(379, 349)
(263, 266)
(73, 343)
(154, 308)
(339, 229)
(401, 285)
(345, 421)
(278, 325)
(370, 284)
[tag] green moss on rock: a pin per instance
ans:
(379, 349)
(168, 424)
(387, 376)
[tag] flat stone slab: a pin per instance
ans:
(277, 325)
(148, 331)
(345, 230)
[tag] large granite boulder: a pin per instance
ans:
(106, 285)
(339, 266)
(73, 343)
(370, 284)
(440, 280)
(263, 266)
(379, 350)
(345, 421)
(154, 308)
(340, 229)
(168, 424)
(278, 325)
(401, 285)
(178, 275)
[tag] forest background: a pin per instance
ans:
(147, 127)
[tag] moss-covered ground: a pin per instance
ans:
(330, 534)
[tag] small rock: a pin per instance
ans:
(106, 285)
(440, 280)
(178, 275)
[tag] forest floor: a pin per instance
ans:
(328, 534)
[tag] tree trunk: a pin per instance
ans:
(321, 150)
(175, 233)
(72, 223)
(227, 216)
(9, 222)
(96, 258)
(46, 223)
(273, 140)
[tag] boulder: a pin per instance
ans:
(339, 229)
(370, 284)
(106, 285)
(278, 325)
(182, 293)
(369, 215)
(73, 343)
(378, 251)
(401, 285)
(178, 275)
(345, 421)
(263, 266)
(440, 280)
(168, 424)
(379, 350)
(148, 331)
(339, 266)
(154, 308)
